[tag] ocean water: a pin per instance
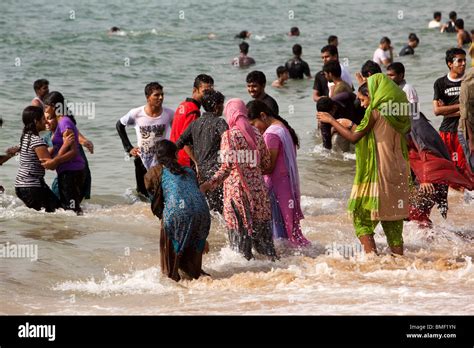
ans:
(107, 262)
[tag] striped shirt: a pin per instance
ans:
(30, 172)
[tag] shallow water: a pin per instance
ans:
(107, 261)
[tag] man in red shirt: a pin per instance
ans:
(187, 112)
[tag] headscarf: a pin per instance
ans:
(235, 113)
(384, 95)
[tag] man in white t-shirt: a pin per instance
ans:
(396, 72)
(152, 123)
(384, 54)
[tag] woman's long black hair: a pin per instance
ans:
(56, 100)
(166, 156)
(31, 114)
(256, 107)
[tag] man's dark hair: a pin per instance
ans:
(413, 37)
(370, 68)
(257, 77)
(453, 15)
(294, 31)
(397, 67)
(114, 29)
(242, 35)
(472, 32)
(453, 52)
(281, 70)
(331, 39)
(203, 78)
(152, 86)
(436, 14)
(244, 47)
(297, 50)
(459, 23)
(385, 40)
(333, 67)
(331, 49)
(325, 104)
(211, 99)
(39, 84)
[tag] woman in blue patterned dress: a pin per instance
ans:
(184, 214)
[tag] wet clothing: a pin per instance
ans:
(364, 225)
(297, 68)
(187, 112)
(149, 131)
(406, 51)
(243, 60)
(185, 219)
(29, 183)
(380, 189)
(204, 135)
(247, 211)
(70, 184)
(284, 187)
(448, 90)
(76, 163)
(30, 172)
(451, 28)
(39, 198)
(71, 174)
(88, 180)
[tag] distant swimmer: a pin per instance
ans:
(449, 27)
(384, 54)
(41, 88)
(333, 40)
(297, 67)
(116, 31)
(409, 49)
(294, 31)
(282, 74)
(436, 22)
(244, 34)
(463, 37)
(243, 60)
(211, 36)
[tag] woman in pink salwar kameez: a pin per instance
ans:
(282, 178)
(247, 211)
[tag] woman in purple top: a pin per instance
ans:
(71, 173)
(282, 178)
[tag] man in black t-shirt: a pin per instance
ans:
(446, 103)
(256, 81)
(297, 67)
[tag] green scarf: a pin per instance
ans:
(386, 97)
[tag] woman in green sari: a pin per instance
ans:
(380, 189)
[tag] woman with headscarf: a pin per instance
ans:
(243, 157)
(380, 189)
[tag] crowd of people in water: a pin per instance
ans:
(244, 166)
